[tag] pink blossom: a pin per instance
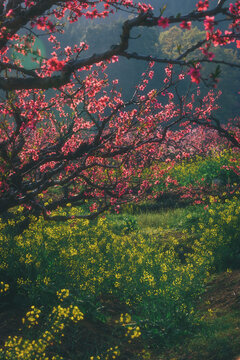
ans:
(202, 5)
(186, 25)
(114, 59)
(163, 22)
(9, 13)
(54, 64)
(209, 23)
(29, 3)
(209, 55)
(151, 73)
(195, 75)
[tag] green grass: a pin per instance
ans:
(172, 218)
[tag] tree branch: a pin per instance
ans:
(144, 19)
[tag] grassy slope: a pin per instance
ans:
(219, 308)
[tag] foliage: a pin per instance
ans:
(204, 171)
(193, 175)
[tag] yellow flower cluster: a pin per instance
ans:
(17, 347)
(23, 349)
(132, 330)
(124, 319)
(71, 312)
(32, 317)
(111, 353)
(3, 287)
(63, 294)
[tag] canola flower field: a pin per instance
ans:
(120, 287)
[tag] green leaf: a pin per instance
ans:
(179, 47)
(162, 9)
